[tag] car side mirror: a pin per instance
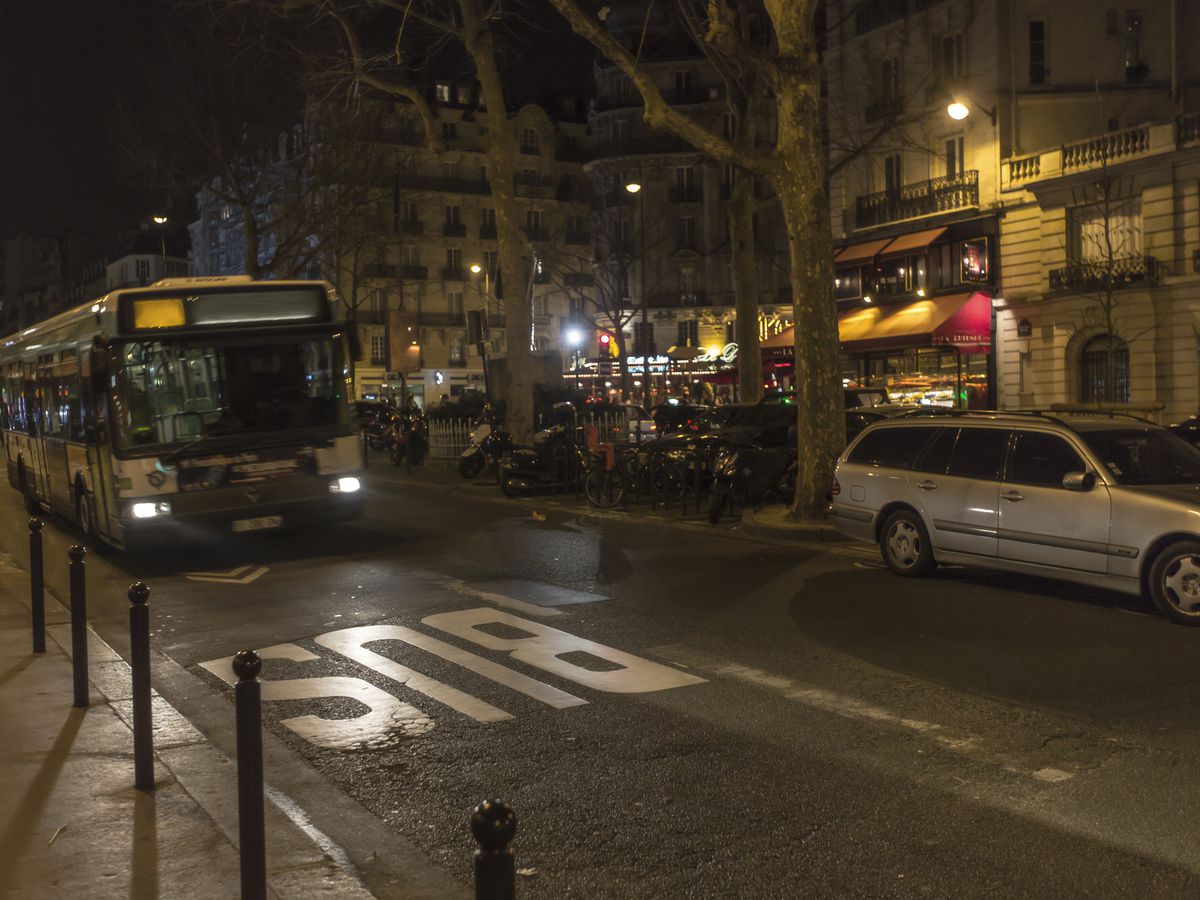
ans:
(1079, 481)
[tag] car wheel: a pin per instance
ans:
(470, 466)
(905, 545)
(1175, 582)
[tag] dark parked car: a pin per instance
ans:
(1189, 430)
(676, 416)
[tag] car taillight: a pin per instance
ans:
(837, 488)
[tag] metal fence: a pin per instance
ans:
(448, 438)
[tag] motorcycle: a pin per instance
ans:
(379, 430)
(488, 445)
(554, 462)
(756, 475)
(410, 439)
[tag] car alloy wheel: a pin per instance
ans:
(1175, 582)
(905, 544)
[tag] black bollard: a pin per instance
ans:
(37, 586)
(251, 829)
(139, 660)
(79, 647)
(365, 448)
(494, 825)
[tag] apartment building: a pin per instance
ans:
(663, 250)
(1101, 229)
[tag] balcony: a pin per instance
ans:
(444, 185)
(579, 279)
(536, 232)
(444, 320)
(677, 299)
(686, 195)
(454, 273)
(1096, 275)
(414, 273)
(379, 270)
(924, 198)
(454, 229)
(532, 184)
(531, 149)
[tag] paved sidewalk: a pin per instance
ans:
(71, 822)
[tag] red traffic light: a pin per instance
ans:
(604, 339)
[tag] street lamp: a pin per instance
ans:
(635, 187)
(160, 221)
(959, 110)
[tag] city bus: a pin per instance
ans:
(192, 407)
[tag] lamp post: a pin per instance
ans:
(476, 268)
(160, 221)
(635, 187)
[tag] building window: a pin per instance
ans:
(143, 270)
(1037, 52)
(954, 157)
(491, 261)
(449, 170)
(453, 258)
(408, 212)
(464, 96)
(453, 215)
(443, 93)
(378, 350)
(457, 355)
(1135, 67)
(687, 232)
(893, 172)
(1103, 235)
(529, 141)
(412, 255)
(643, 339)
(1104, 357)
(619, 131)
(687, 281)
(683, 85)
(533, 220)
(455, 302)
(949, 59)
(689, 334)
(889, 87)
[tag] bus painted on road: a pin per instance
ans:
(190, 407)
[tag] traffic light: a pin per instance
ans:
(605, 349)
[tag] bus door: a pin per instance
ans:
(60, 395)
(35, 409)
(94, 418)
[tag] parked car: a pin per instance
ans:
(859, 397)
(1108, 500)
(639, 423)
(675, 416)
(1189, 430)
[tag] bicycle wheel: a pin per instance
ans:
(605, 488)
(667, 480)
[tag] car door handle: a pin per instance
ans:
(927, 485)
(1012, 496)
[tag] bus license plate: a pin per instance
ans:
(259, 524)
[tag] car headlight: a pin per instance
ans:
(148, 509)
(347, 484)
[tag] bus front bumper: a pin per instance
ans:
(283, 505)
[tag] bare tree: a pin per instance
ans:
(386, 41)
(794, 166)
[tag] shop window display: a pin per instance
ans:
(924, 376)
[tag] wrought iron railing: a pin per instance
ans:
(924, 198)
(1094, 275)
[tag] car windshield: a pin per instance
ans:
(176, 392)
(1145, 455)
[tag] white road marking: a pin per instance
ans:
(349, 642)
(389, 718)
(521, 606)
(853, 708)
(544, 645)
(236, 575)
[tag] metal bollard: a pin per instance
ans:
(366, 458)
(494, 825)
(37, 586)
(79, 647)
(251, 829)
(139, 662)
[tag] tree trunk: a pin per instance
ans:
(478, 40)
(622, 361)
(250, 231)
(745, 286)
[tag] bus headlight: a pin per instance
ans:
(150, 510)
(347, 484)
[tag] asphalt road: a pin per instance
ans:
(678, 712)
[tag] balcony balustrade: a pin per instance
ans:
(923, 198)
(1096, 275)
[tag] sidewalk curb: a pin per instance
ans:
(774, 525)
(298, 866)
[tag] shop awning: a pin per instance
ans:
(860, 253)
(915, 242)
(961, 321)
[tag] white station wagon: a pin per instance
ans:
(1109, 500)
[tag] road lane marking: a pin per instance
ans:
(502, 600)
(236, 575)
(543, 647)
(850, 707)
(389, 717)
(349, 643)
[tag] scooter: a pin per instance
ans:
(379, 431)
(410, 439)
(488, 445)
(555, 462)
(756, 475)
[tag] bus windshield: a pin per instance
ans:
(178, 391)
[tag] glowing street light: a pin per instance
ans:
(160, 220)
(476, 268)
(633, 187)
(957, 110)
(574, 337)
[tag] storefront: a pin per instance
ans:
(933, 351)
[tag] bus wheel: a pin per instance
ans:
(85, 513)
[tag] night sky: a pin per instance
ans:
(60, 62)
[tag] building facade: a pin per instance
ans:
(1101, 232)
